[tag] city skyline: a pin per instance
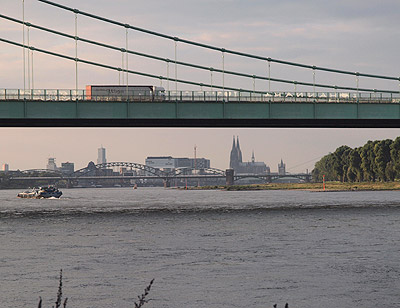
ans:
(299, 148)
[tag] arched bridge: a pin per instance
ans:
(105, 172)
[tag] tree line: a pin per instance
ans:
(375, 161)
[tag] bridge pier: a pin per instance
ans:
(230, 173)
(69, 183)
(167, 183)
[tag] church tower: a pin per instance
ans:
(282, 168)
(240, 160)
(234, 156)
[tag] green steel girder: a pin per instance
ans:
(171, 113)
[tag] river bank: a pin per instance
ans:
(329, 186)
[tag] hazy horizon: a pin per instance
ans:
(28, 148)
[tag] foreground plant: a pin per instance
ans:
(142, 297)
(59, 296)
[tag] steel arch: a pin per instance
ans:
(157, 172)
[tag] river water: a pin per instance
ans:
(204, 248)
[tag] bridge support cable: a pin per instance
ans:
(269, 76)
(23, 42)
(211, 78)
(313, 70)
(197, 44)
(168, 76)
(29, 61)
(176, 67)
(92, 63)
(223, 71)
(127, 64)
(76, 55)
(123, 66)
(33, 85)
(119, 76)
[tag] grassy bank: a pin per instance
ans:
(329, 186)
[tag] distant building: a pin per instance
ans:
(51, 164)
(160, 162)
(169, 163)
(67, 168)
(281, 168)
(101, 156)
(198, 163)
(241, 167)
(5, 168)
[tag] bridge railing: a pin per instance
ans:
(201, 96)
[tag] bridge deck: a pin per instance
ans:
(277, 111)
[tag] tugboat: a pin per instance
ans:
(41, 192)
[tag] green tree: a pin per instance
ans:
(382, 158)
(324, 167)
(395, 156)
(354, 172)
(340, 162)
(376, 160)
(390, 172)
(367, 155)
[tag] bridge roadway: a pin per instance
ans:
(191, 109)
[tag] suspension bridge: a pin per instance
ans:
(190, 102)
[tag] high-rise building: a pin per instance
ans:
(241, 167)
(281, 168)
(6, 168)
(51, 164)
(101, 156)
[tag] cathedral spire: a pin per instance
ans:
(239, 150)
(234, 156)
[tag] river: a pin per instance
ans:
(204, 248)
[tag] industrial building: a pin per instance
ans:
(169, 163)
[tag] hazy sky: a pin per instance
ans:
(352, 35)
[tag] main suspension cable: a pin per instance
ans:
(162, 77)
(237, 53)
(223, 71)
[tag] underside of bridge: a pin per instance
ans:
(201, 123)
(198, 114)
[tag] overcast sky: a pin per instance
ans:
(351, 35)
